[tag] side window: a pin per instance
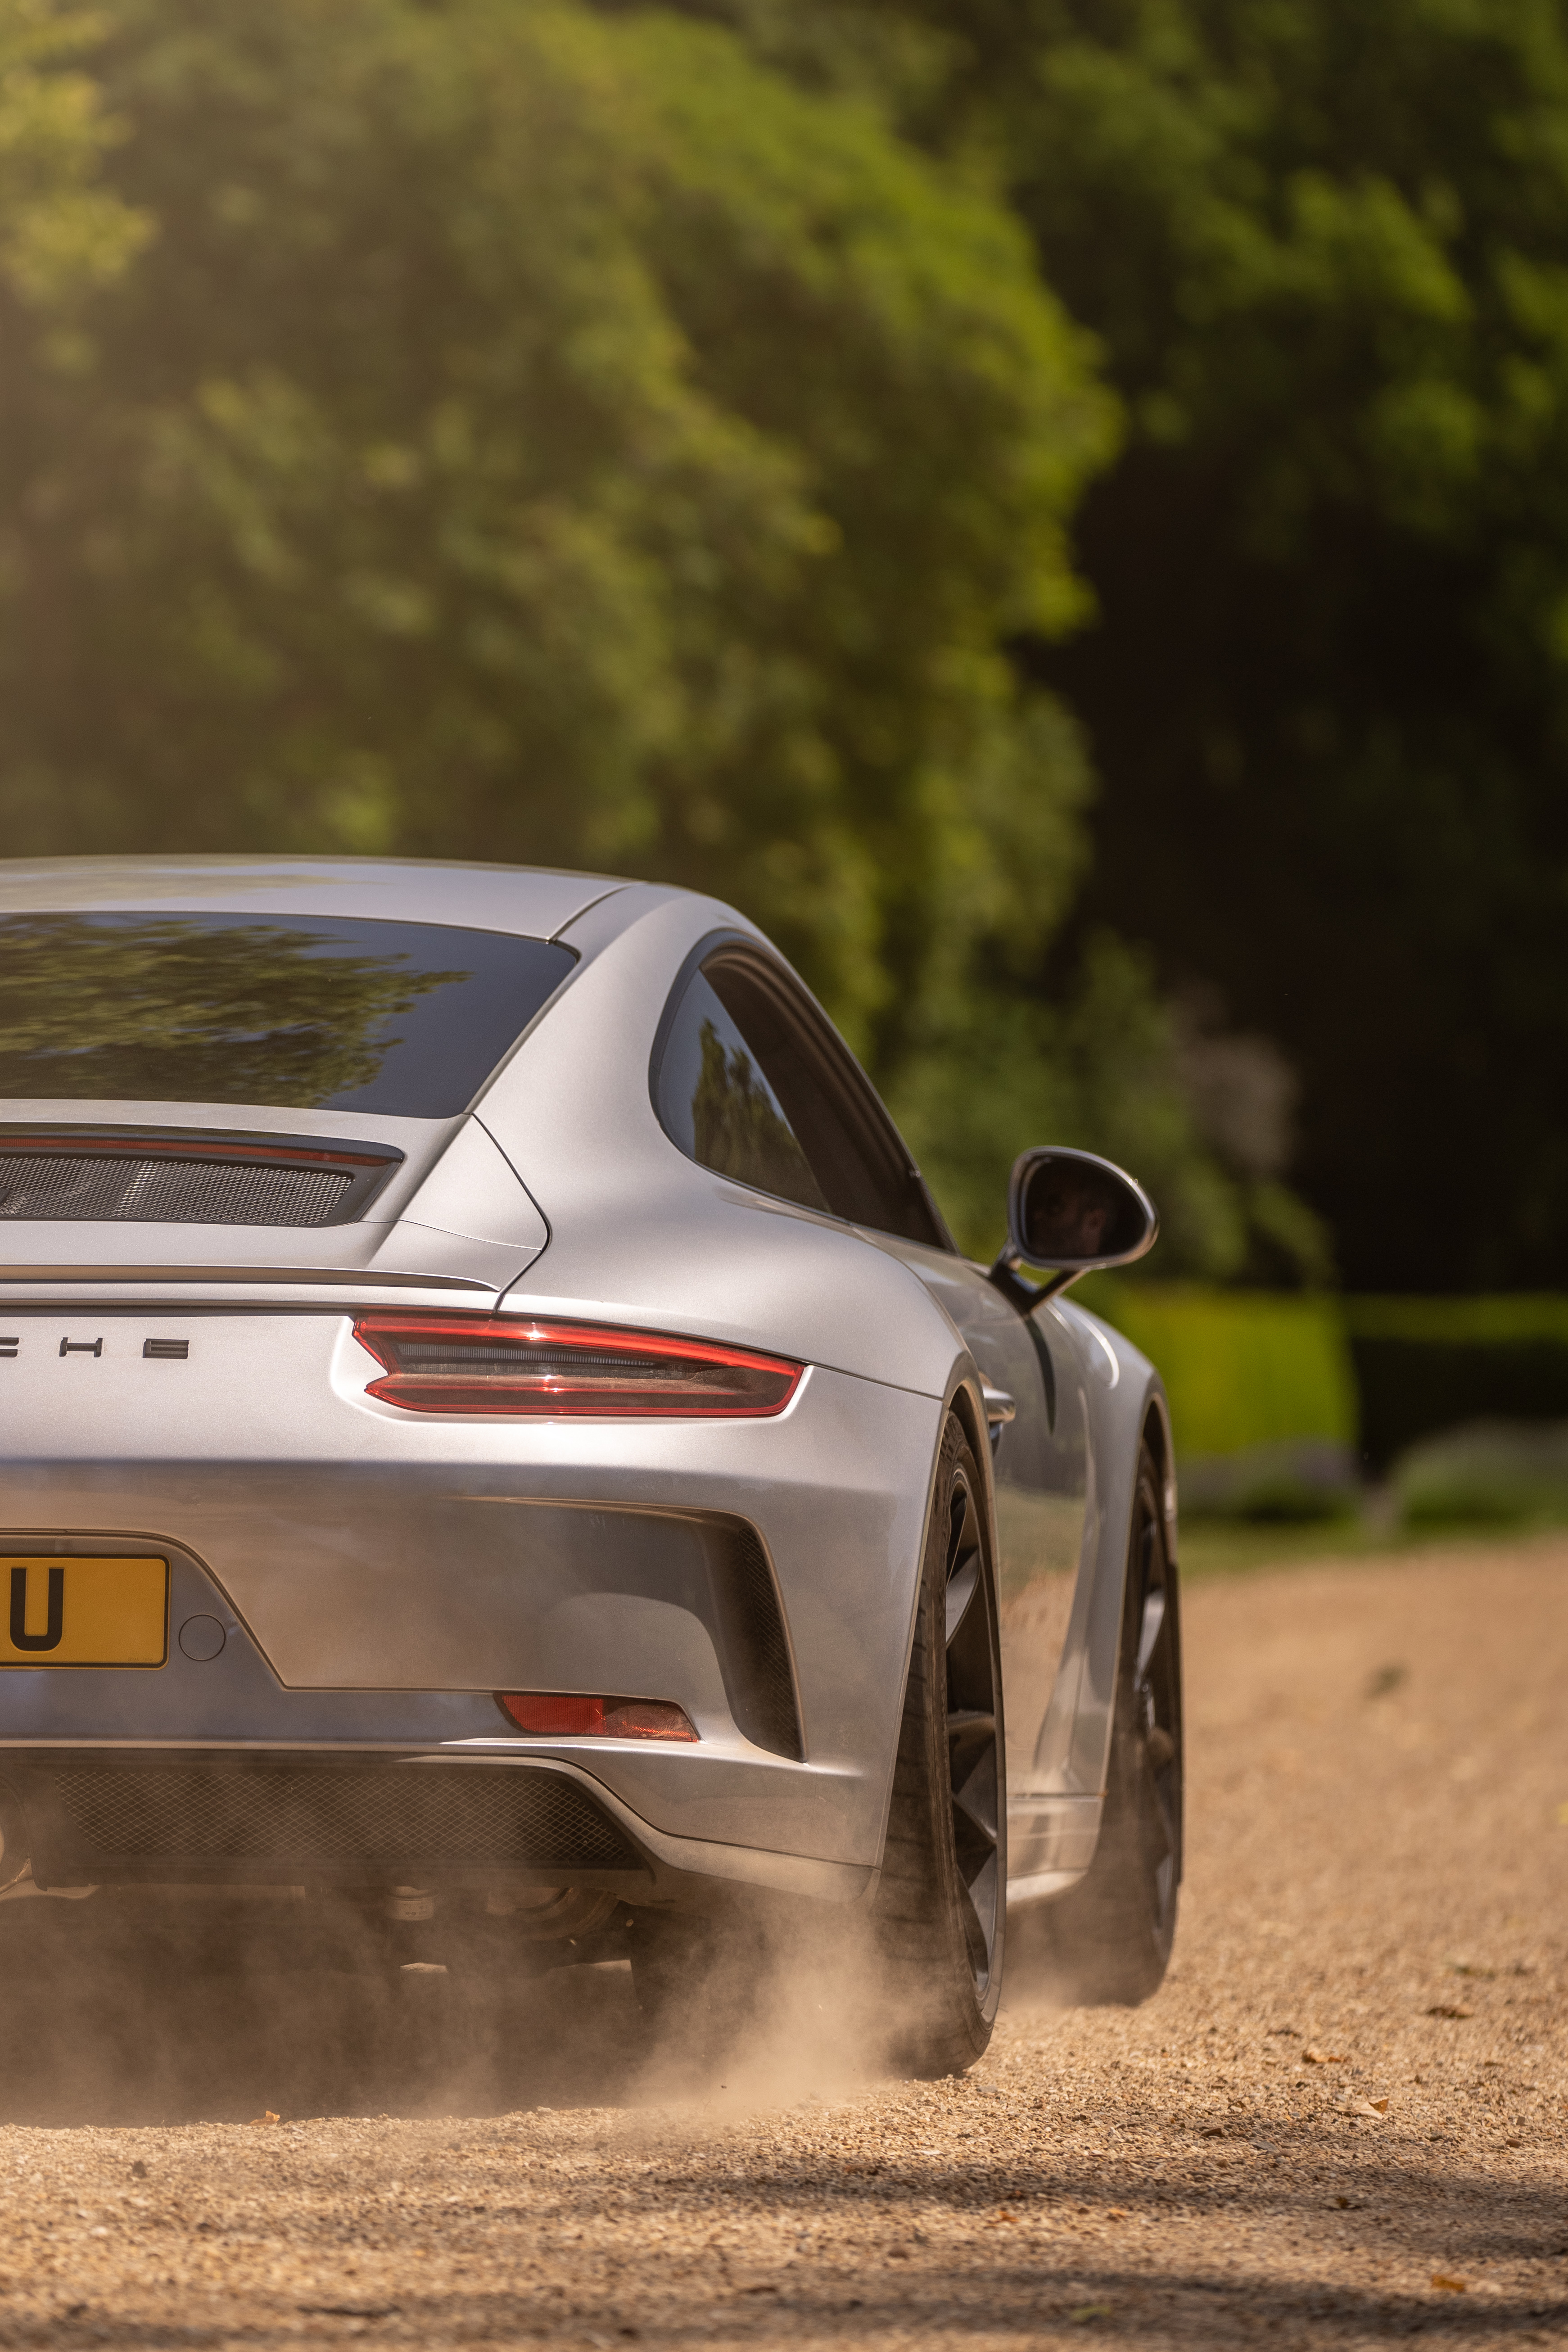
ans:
(715, 1103)
(754, 1084)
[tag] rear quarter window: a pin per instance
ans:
(752, 1080)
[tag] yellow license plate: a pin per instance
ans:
(84, 1612)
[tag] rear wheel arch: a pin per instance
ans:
(1109, 1939)
(1160, 1440)
(968, 1405)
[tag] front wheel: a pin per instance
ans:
(1109, 1939)
(941, 1906)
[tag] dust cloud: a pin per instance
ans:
(177, 2007)
(1342, 2119)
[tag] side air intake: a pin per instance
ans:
(755, 1651)
(127, 1179)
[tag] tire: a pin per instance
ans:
(942, 1905)
(1108, 1940)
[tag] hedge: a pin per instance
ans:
(1242, 1367)
(1423, 1365)
(1250, 1372)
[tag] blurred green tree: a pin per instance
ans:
(534, 436)
(1324, 246)
(529, 432)
(61, 233)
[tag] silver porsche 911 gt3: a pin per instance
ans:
(497, 1430)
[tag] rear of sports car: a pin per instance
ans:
(421, 1484)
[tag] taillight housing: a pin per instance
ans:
(435, 1363)
(562, 1714)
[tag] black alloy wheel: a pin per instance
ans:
(941, 1907)
(1110, 1938)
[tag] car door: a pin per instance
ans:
(783, 1104)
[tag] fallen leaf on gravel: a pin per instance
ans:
(1316, 2057)
(1448, 2285)
(1083, 2312)
(1450, 2008)
(267, 2118)
(1373, 2108)
(998, 2218)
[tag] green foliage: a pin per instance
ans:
(1324, 246)
(1242, 1369)
(1427, 1365)
(1506, 1320)
(1099, 1071)
(538, 436)
(599, 437)
(61, 233)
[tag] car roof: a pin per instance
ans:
(535, 901)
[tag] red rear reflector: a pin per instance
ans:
(561, 1715)
(442, 1364)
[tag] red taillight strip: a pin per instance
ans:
(556, 1369)
(563, 1714)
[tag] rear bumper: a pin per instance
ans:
(378, 1577)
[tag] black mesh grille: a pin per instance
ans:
(397, 1815)
(156, 1189)
(756, 1652)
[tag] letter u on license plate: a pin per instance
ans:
(84, 1612)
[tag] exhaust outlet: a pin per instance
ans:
(410, 1904)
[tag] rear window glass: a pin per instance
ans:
(310, 1013)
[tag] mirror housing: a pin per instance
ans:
(1070, 1212)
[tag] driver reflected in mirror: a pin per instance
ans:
(1071, 1214)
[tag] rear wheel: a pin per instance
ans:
(941, 1906)
(1109, 1939)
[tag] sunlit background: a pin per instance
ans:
(1058, 511)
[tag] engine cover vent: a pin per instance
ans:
(124, 1178)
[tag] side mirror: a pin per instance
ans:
(1070, 1212)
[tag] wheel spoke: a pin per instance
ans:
(1155, 1759)
(960, 1590)
(974, 1798)
(974, 1756)
(1149, 1632)
(980, 1920)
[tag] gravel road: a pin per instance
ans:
(1345, 2118)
